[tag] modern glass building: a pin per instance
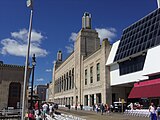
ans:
(134, 61)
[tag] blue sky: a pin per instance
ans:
(55, 25)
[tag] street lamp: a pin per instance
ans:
(30, 5)
(33, 66)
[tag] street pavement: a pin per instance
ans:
(92, 115)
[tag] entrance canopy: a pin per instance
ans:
(146, 89)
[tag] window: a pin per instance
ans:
(72, 78)
(91, 74)
(62, 82)
(86, 77)
(98, 71)
(132, 65)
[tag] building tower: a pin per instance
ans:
(86, 20)
(59, 55)
(158, 3)
(58, 62)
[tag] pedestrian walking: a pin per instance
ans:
(96, 108)
(111, 108)
(102, 108)
(106, 108)
(69, 106)
(158, 112)
(31, 115)
(51, 109)
(152, 112)
(45, 108)
(93, 107)
(37, 110)
(76, 107)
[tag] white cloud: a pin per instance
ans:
(17, 44)
(72, 39)
(40, 79)
(70, 48)
(22, 34)
(73, 36)
(109, 33)
(48, 70)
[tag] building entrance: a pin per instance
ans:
(86, 100)
(98, 98)
(14, 95)
(92, 100)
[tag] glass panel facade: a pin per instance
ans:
(140, 36)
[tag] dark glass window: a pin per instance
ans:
(98, 71)
(91, 74)
(132, 65)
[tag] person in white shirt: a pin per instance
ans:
(45, 107)
(96, 108)
(51, 110)
(152, 112)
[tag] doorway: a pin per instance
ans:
(14, 95)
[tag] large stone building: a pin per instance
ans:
(82, 78)
(11, 85)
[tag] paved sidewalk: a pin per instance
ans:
(92, 115)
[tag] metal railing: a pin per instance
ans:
(10, 113)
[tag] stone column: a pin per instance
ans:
(64, 101)
(95, 101)
(88, 100)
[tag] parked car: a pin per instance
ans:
(117, 106)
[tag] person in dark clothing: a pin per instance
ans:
(102, 108)
(81, 106)
(76, 107)
(69, 107)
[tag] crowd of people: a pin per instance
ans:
(39, 111)
(103, 108)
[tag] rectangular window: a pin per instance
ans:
(132, 65)
(91, 74)
(98, 71)
(62, 82)
(86, 77)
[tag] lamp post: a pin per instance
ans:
(29, 4)
(33, 66)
